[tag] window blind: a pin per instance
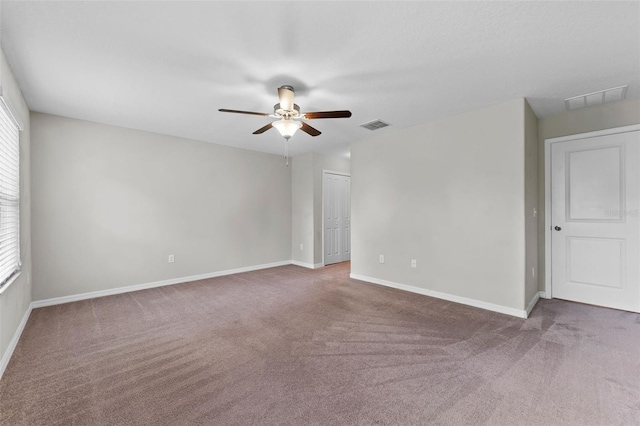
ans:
(9, 197)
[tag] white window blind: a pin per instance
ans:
(9, 196)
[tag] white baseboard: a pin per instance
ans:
(543, 295)
(532, 303)
(520, 313)
(14, 341)
(307, 265)
(119, 290)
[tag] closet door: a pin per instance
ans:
(336, 218)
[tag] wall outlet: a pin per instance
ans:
(171, 258)
(382, 258)
(533, 271)
(301, 247)
(414, 263)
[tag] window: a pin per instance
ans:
(9, 195)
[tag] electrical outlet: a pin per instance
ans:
(533, 271)
(382, 258)
(301, 247)
(414, 263)
(171, 258)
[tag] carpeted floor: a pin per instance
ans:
(291, 346)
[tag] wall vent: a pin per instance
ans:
(596, 98)
(374, 125)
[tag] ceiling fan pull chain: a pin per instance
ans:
(286, 150)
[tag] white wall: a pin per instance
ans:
(15, 299)
(450, 194)
(306, 190)
(607, 116)
(110, 204)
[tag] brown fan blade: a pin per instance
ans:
(263, 129)
(308, 129)
(285, 93)
(235, 111)
(327, 114)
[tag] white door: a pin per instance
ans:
(595, 213)
(336, 218)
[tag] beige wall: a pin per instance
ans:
(306, 190)
(450, 194)
(110, 204)
(15, 299)
(607, 116)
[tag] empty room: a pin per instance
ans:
(319, 213)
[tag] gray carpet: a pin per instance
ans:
(291, 346)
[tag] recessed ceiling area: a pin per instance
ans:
(167, 67)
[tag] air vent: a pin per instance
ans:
(596, 98)
(374, 125)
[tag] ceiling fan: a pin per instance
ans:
(290, 118)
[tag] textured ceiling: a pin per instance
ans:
(167, 67)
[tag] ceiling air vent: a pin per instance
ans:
(374, 125)
(596, 98)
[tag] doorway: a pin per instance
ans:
(336, 217)
(593, 223)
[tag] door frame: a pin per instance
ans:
(328, 172)
(547, 192)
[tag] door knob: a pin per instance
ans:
(557, 228)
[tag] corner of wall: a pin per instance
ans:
(302, 209)
(532, 270)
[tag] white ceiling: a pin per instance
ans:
(167, 67)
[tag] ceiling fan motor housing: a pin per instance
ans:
(293, 113)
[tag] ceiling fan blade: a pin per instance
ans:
(327, 114)
(308, 129)
(285, 93)
(235, 111)
(262, 129)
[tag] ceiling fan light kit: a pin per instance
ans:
(287, 127)
(290, 118)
